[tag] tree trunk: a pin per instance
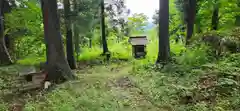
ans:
(69, 38)
(215, 17)
(57, 65)
(70, 50)
(76, 34)
(198, 27)
(104, 40)
(76, 40)
(191, 13)
(13, 3)
(5, 58)
(237, 21)
(90, 42)
(163, 42)
(198, 19)
(7, 9)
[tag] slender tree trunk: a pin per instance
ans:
(70, 50)
(90, 42)
(76, 34)
(215, 17)
(198, 27)
(127, 31)
(104, 40)
(163, 42)
(57, 65)
(13, 3)
(76, 40)
(237, 21)
(198, 20)
(7, 9)
(5, 58)
(69, 38)
(191, 13)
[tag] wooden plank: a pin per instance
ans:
(29, 86)
(38, 78)
(35, 79)
(16, 83)
(31, 73)
(21, 78)
(27, 70)
(25, 87)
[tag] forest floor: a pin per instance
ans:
(99, 88)
(125, 87)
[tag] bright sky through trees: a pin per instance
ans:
(147, 7)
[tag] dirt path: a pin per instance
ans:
(117, 80)
(100, 88)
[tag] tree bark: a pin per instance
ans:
(5, 58)
(163, 42)
(237, 21)
(76, 41)
(103, 29)
(198, 20)
(90, 42)
(13, 3)
(69, 37)
(198, 27)
(57, 65)
(191, 13)
(215, 17)
(7, 9)
(76, 34)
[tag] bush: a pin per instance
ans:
(31, 60)
(194, 56)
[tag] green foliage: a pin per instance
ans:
(234, 59)
(3, 107)
(121, 51)
(29, 46)
(89, 53)
(29, 19)
(24, 25)
(150, 86)
(84, 16)
(31, 60)
(136, 23)
(194, 57)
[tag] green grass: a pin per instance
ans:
(138, 85)
(31, 60)
(96, 90)
(128, 86)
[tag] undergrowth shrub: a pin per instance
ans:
(224, 42)
(177, 48)
(89, 54)
(122, 50)
(3, 106)
(26, 29)
(32, 60)
(234, 58)
(194, 57)
(29, 46)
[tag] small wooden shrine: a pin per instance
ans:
(138, 46)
